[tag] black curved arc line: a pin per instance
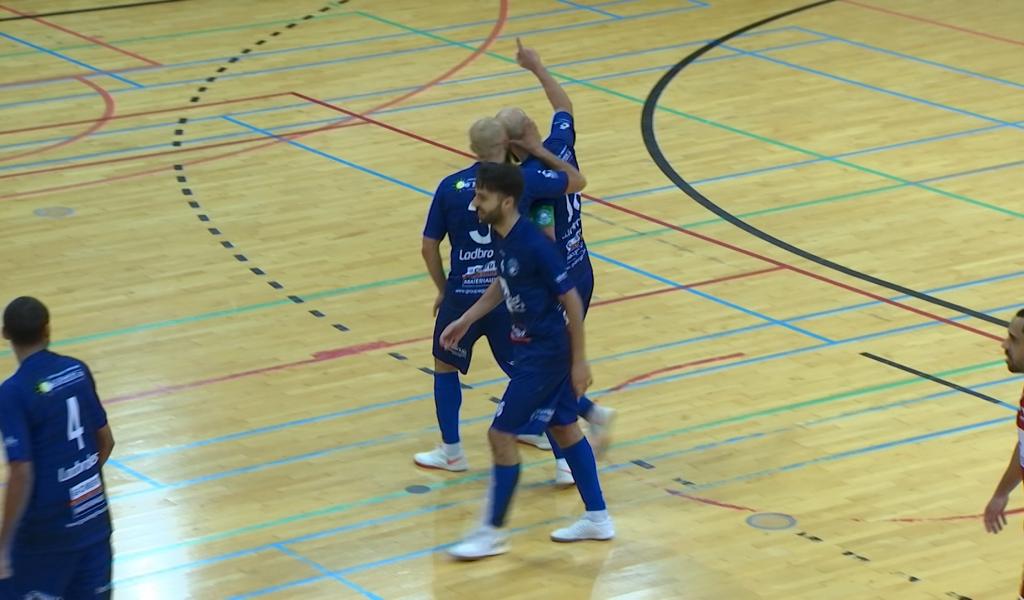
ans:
(651, 142)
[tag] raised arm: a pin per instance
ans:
(530, 60)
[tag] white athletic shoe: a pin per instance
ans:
(437, 459)
(585, 529)
(601, 420)
(481, 543)
(540, 441)
(563, 474)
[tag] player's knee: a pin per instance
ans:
(566, 435)
(442, 367)
(503, 447)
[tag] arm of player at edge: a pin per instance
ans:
(530, 60)
(995, 511)
(456, 329)
(581, 377)
(431, 251)
(104, 443)
(20, 479)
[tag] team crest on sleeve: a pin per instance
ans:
(510, 266)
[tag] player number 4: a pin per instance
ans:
(75, 430)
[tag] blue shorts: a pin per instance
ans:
(496, 325)
(536, 400)
(79, 575)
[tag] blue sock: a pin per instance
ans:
(503, 484)
(447, 401)
(581, 460)
(585, 405)
(555, 449)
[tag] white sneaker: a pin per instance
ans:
(540, 441)
(563, 474)
(437, 459)
(585, 529)
(601, 419)
(481, 543)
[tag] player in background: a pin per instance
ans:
(55, 532)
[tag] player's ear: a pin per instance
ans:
(46, 332)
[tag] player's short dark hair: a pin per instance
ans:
(500, 177)
(1020, 313)
(25, 321)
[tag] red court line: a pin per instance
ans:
(97, 124)
(87, 38)
(499, 24)
(687, 286)
(317, 358)
(687, 365)
(735, 507)
(682, 230)
(936, 23)
(148, 112)
(352, 351)
(712, 502)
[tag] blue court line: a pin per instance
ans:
(808, 424)
(503, 74)
(411, 107)
(852, 453)
(365, 524)
(596, 394)
(610, 468)
(122, 467)
(947, 288)
(335, 119)
(767, 472)
(349, 59)
(801, 163)
(327, 572)
(215, 314)
(590, 9)
(70, 60)
(623, 265)
(871, 87)
(163, 488)
(910, 57)
(336, 159)
(480, 384)
(374, 38)
(793, 352)
(708, 296)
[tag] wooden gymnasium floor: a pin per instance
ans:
(238, 259)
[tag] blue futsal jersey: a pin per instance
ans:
(452, 214)
(568, 220)
(49, 414)
(532, 277)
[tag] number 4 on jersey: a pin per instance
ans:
(75, 429)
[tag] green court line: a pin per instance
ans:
(182, 34)
(409, 278)
(458, 481)
(712, 123)
(420, 276)
(234, 311)
(754, 213)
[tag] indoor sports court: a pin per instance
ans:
(803, 221)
